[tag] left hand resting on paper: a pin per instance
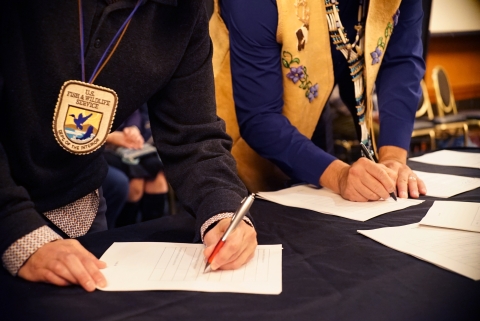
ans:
(407, 182)
(238, 249)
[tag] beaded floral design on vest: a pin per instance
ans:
(299, 73)
(377, 53)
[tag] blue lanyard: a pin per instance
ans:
(115, 41)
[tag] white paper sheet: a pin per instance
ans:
(138, 266)
(327, 202)
(450, 158)
(454, 250)
(443, 185)
(457, 215)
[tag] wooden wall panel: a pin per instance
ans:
(460, 56)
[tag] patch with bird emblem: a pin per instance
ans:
(83, 116)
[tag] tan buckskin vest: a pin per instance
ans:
(303, 34)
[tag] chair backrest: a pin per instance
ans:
(424, 106)
(443, 92)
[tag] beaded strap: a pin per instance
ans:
(353, 53)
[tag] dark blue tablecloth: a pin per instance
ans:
(330, 272)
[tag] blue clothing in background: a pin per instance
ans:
(140, 119)
(257, 83)
(115, 190)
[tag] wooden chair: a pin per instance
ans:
(445, 90)
(424, 125)
(448, 119)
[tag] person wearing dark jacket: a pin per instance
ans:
(64, 66)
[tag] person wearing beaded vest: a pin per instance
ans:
(275, 65)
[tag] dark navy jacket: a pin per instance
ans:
(164, 60)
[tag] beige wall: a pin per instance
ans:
(455, 44)
(455, 16)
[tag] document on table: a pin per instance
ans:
(327, 202)
(450, 158)
(456, 215)
(443, 185)
(454, 250)
(138, 266)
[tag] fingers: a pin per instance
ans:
(403, 185)
(381, 180)
(410, 184)
(367, 181)
(422, 188)
(134, 138)
(407, 182)
(78, 270)
(238, 249)
(51, 277)
(62, 263)
(237, 260)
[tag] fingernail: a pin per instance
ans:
(403, 195)
(102, 283)
(89, 285)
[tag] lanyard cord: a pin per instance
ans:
(82, 50)
(92, 79)
(116, 39)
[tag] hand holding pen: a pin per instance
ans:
(367, 154)
(241, 240)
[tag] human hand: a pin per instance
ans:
(238, 249)
(407, 182)
(366, 181)
(130, 137)
(133, 137)
(64, 262)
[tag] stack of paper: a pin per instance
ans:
(327, 202)
(448, 236)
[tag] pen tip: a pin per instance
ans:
(207, 268)
(392, 194)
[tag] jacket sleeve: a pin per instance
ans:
(190, 137)
(398, 80)
(18, 216)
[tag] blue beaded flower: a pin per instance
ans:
(312, 92)
(295, 74)
(395, 17)
(299, 73)
(376, 55)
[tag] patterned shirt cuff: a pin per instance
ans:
(16, 255)
(218, 217)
